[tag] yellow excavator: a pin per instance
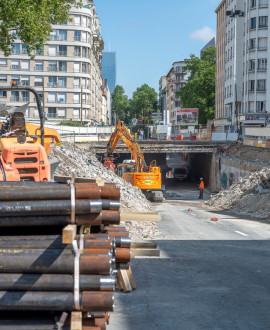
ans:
(135, 170)
(24, 147)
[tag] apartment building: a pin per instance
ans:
(220, 121)
(175, 80)
(66, 72)
(246, 77)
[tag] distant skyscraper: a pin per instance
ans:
(108, 63)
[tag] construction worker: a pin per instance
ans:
(201, 187)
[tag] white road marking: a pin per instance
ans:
(193, 214)
(239, 232)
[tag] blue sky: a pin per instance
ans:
(149, 35)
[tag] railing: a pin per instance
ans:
(15, 67)
(39, 68)
(38, 84)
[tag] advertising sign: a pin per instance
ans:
(187, 116)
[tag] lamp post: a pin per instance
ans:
(235, 13)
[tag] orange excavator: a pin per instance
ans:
(135, 170)
(24, 147)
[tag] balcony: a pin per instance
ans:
(38, 83)
(15, 67)
(38, 68)
(52, 84)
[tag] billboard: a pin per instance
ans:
(187, 116)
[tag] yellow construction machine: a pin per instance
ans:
(135, 170)
(24, 147)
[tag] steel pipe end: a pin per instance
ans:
(107, 283)
(124, 242)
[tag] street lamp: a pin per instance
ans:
(235, 13)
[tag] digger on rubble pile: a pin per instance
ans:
(135, 170)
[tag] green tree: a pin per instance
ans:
(120, 102)
(199, 91)
(31, 21)
(144, 102)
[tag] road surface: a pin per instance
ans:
(211, 274)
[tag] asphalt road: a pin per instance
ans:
(211, 275)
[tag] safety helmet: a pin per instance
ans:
(201, 179)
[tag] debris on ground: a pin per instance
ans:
(248, 196)
(84, 163)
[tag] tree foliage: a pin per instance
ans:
(120, 102)
(199, 91)
(143, 103)
(31, 20)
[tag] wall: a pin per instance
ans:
(225, 171)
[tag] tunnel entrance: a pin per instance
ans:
(181, 172)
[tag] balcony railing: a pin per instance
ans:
(51, 115)
(38, 68)
(15, 67)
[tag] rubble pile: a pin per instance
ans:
(84, 163)
(247, 196)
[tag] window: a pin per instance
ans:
(25, 96)
(15, 49)
(77, 20)
(52, 50)
(84, 67)
(76, 67)
(40, 51)
(84, 36)
(77, 35)
(3, 62)
(52, 81)
(52, 66)
(262, 43)
(260, 106)
(76, 98)
(62, 50)
(262, 63)
(252, 3)
(24, 50)
(77, 51)
(62, 35)
(62, 82)
(15, 96)
(261, 85)
(263, 21)
(61, 113)
(51, 112)
(25, 81)
(25, 65)
(38, 81)
(53, 35)
(63, 66)
(61, 97)
(251, 85)
(76, 83)
(3, 94)
(251, 66)
(51, 97)
(83, 82)
(250, 106)
(84, 21)
(76, 113)
(38, 66)
(84, 52)
(263, 3)
(253, 23)
(15, 65)
(252, 43)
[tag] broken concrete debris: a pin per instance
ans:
(83, 162)
(247, 196)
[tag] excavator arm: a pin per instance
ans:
(122, 132)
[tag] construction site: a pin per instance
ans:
(112, 235)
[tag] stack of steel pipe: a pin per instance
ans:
(52, 204)
(40, 273)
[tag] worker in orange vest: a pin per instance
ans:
(201, 187)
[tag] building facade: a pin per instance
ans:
(175, 80)
(108, 63)
(66, 73)
(246, 76)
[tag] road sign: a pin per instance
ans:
(140, 120)
(134, 121)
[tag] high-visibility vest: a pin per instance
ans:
(202, 185)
